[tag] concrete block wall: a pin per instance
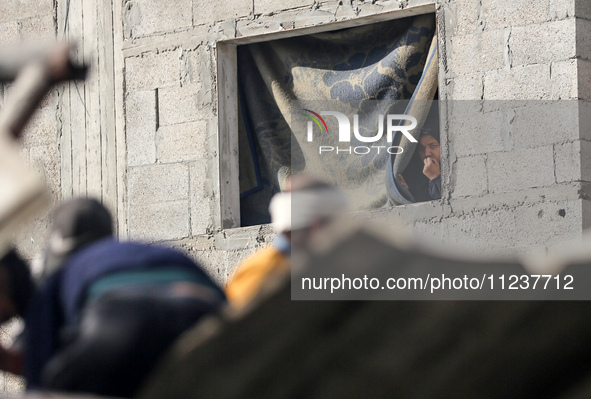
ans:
(512, 184)
(170, 89)
(142, 132)
(170, 121)
(516, 163)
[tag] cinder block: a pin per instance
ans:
(221, 264)
(150, 71)
(9, 32)
(40, 28)
(583, 38)
(223, 30)
(213, 263)
(180, 104)
(428, 231)
(467, 87)
(159, 221)
(197, 66)
(584, 79)
(140, 127)
(481, 233)
(564, 80)
(461, 232)
(547, 223)
(567, 157)
(404, 214)
(586, 216)
(201, 216)
(584, 120)
(582, 9)
(548, 41)
(513, 12)
(537, 124)
(44, 160)
(585, 161)
(267, 6)
(469, 177)
(466, 16)
(530, 82)
(208, 12)
(264, 25)
(11, 10)
(235, 243)
(477, 52)
(521, 168)
(562, 9)
(158, 183)
(182, 142)
(499, 229)
(472, 132)
(245, 237)
(316, 17)
(145, 17)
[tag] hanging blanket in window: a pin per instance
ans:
(364, 70)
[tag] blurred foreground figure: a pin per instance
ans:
(16, 289)
(108, 309)
(76, 223)
(280, 348)
(16, 286)
(299, 215)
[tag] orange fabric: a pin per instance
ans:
(253, 272)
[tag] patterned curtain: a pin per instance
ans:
(372, 70)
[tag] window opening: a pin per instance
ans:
(378, 69)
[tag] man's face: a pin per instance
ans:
(429, 148)
(7, 306)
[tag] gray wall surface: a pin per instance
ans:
(142, 133)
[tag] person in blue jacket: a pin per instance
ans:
(107, 310)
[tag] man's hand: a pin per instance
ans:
(432, 168)
(11, 360)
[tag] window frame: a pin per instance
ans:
(227, 86)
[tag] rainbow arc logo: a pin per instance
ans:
(316, 118)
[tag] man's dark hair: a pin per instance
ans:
(76, 223)
(83, 220)
(21, 283)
